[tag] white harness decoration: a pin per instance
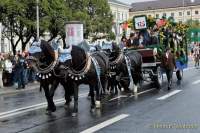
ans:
(128, 65)
(98, 72)
(80, 75)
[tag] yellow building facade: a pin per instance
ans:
(180, 10)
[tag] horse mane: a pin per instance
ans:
(115, 52)
(79, 58)
(47, 49)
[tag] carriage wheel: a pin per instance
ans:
(158, 80)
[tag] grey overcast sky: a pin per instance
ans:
(132, 1)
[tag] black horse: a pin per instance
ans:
(44, 64)
(87, 69)
(90, 69)
(119, 68)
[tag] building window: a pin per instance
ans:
(157, 15)
(172, 14)
(114, 15)
(180, 21)
(196, 12)
(149, 15)
(164, 14)
(188, 13)
(126, 16)
(118, 16)
(180, 13)
(122, 16)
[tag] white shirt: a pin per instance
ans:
(64, 54)
(8, 66)
(196, 50)
(167, 55)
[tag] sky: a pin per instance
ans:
(132, 1)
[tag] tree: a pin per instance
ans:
(19, 18)
(56, 12)
(97, 20)
(19, 21)
(12, 11)
(111, 36)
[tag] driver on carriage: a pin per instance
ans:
(63, 55)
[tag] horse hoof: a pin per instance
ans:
(135, 89)
(53, 110)
(98, 104)
(92, 110)
(66, 107)
(48, 112)
(74, 114)
(88, 97)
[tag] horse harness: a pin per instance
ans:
(78, 75)
(114, 63)
(72, 73)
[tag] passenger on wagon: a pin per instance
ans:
(133, 41)
(63, 55)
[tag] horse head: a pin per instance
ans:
(79, 58)
(42, 57)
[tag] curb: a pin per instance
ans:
(14, 91)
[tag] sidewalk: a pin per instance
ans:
(12, 89)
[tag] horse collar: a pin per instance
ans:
(78, 75)
(43, 76)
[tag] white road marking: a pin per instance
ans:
(33, 107)
(121, 96)
(143, 92)
(146, 91)
(105, 123)
(196, 82)
(169, 95)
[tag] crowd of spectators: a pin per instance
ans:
(15, 70)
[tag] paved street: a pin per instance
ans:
(175, 111)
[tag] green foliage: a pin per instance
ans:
(19, 17)
(111, 36)
(151, 22)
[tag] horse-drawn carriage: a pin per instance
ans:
(165, 37)
(151, 67)
(131, 65)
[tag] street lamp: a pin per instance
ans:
(91, 11)
(37, 23)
